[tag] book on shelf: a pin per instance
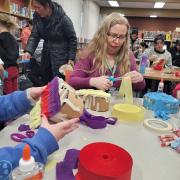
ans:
(19, 9)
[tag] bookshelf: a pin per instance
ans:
(20, 10)
(170, 37)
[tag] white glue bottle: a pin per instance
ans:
(28, 168)
(161, 86)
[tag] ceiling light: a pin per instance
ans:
(121, 14)
(159, 4)
(153, 16)
(113, 3)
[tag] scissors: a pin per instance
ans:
(18, 137)
(113, 79)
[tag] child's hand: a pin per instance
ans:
(59, 130)
(35, 92)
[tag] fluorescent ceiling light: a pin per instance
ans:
(159, 4)
(153, 16)
(121, 14)
(113, 3)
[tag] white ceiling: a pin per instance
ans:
(138, 4)
(170, 9)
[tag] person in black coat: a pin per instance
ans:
(60, 43)
(175, 53)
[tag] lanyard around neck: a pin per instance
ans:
(111, 69)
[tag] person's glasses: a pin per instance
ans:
(114, 37)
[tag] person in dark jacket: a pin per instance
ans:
(175, 53)
(9, 53)
(52, 24)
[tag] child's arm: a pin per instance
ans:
(1, 69)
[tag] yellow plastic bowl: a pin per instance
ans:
(128, 112)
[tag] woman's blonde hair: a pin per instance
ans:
(6, 21)
(98, 45)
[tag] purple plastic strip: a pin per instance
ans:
(23, 127)
(18, 137)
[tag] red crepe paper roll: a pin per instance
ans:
(104, 161)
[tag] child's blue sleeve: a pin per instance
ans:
(42, 145)
(14, 105)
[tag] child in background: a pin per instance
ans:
(9, 52)
(25, 33)
(45, 140)
(142, 49)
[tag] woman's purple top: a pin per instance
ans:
(81, 75)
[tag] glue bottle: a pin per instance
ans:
(161, 86)
(28, 169)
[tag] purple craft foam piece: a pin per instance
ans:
(63, 172)
(71, 158)
(23, 127)
(96, 122)
(87, 114)
(54, 98)
(64, 169)
(111, 120)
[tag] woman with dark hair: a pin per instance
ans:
(52, 24)
(157, 53)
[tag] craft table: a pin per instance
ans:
(158, 75)
(150, 160)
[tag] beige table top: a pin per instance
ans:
(150, 161)
(158, 75)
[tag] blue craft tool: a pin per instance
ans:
(113, 79)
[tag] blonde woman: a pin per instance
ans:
(107, 55)
(9, 52)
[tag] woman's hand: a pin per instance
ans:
(59, 130)
(102, 83)
(135, 76)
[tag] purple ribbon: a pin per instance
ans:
(64, 169)
(96, 122)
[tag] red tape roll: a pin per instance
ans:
(104, 161)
